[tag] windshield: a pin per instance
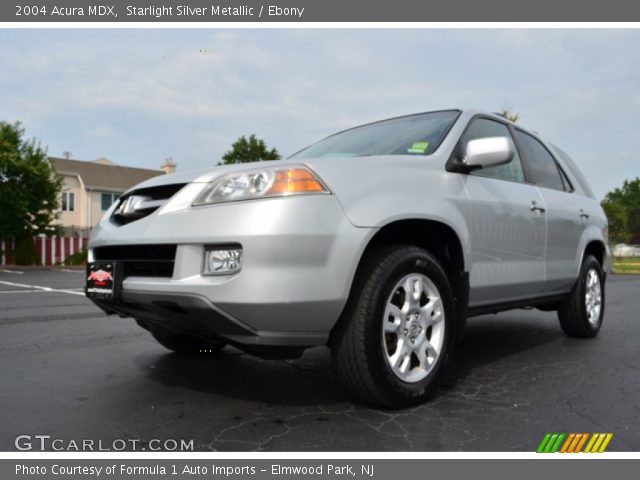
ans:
(411, 135)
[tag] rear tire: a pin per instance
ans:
(397, 329)
(582, 312)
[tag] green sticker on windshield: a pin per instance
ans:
(418, 147)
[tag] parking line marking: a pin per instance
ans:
(43, 289)
(17, 291)
(17, 272)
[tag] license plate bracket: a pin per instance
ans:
(104, 280)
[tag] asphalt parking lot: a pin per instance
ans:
(71, 372)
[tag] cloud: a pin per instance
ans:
(102, 131)
(138, 96)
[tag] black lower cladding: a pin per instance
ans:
(140, 260)
(179, 313)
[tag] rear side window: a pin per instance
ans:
(485, 128)
(579, 182)
(544, 169)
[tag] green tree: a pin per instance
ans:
(512, 117)
(627, 199)
(618, 224)
(628, 195)
(29, 190)
(249, 150)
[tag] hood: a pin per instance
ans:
(203, 175)
(333, 170)
(337, 170)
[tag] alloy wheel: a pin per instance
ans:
(593, 297)
(413, 328)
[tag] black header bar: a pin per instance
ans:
(319, 11)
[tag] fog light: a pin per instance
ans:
(222, 261)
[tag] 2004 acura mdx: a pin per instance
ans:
(378, 241)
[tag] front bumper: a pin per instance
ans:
(299, 258)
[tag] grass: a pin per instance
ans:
(626, 265)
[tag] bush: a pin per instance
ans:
(25, 252)
(78, 258)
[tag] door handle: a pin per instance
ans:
(583, 214)
(535, 208)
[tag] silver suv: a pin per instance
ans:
(378, 241)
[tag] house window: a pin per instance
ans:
(108, 199)
(68, 202)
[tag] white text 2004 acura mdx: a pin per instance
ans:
(378, 241)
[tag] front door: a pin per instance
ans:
(507, 227)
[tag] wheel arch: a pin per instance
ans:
(439, 239)
(596, 248)
(435, 236)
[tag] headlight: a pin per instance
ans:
(264, 183)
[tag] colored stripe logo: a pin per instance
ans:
(557, 442)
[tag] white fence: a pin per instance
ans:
(623, 250)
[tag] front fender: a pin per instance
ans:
(374, 193)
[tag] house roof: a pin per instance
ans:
(103, 175)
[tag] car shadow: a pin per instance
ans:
(310, 381)
(493, 338)
(306, 381)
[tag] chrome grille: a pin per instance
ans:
(142, 202)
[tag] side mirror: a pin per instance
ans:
(488, 152)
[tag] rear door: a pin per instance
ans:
(507, 226)
(566, 220)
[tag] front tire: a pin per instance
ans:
(582, 312)
(397, 329)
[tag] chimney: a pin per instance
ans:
(104, 161)
(169, 166)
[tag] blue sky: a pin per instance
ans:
(140, 96)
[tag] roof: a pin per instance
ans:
(101, 175)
